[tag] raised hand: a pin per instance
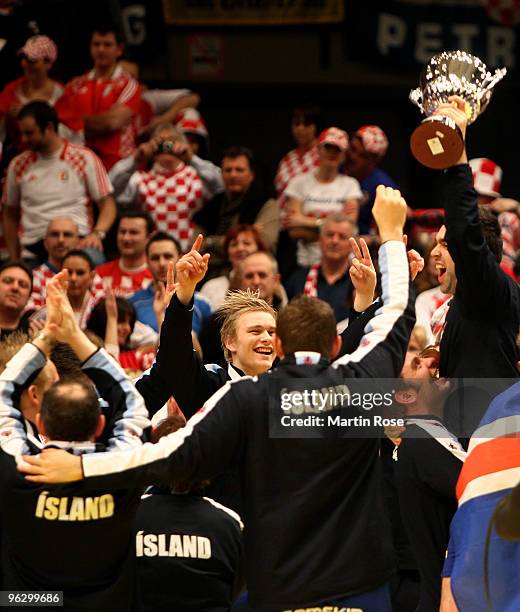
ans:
(110, 304)
(163, 294)
(389, 212)
(363, 275)
(455, 109)
(190, 270)
(416, 263)
(61, 322)
(415, 260)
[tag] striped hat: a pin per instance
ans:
(487, 177)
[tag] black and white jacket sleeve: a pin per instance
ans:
(210, 442)
(124, 409)
(19, 373)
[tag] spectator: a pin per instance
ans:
(242, 201)
(113, 320)
(101, 106)
(190, 122)
(315, 195)
(129, 272)
(15, 290)
(188, 579)
(162, 251)
(61, 237)
(54, 178)
(430, 300)
(368, 146)
(37, 58)
(259, 273)
(159, 106)
(304, 127)
(80, 290)
(241, 240)
(329, 279)
(487, 178)
(170, 191)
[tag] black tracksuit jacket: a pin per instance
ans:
(312, 508)
(64, 537)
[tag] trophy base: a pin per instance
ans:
(437, 142)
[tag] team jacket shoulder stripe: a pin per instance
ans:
(129, 429)
(490, 483)
(495, 455)
(100, 464)
(393, 263)
(507, 426)
(227, 510)
(28, 360)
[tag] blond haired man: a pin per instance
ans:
(248, 323)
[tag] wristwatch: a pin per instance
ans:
(101, 233)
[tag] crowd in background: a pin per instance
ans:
(111, 182)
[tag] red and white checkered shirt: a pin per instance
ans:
(297, 161)
(124, 282)
(171, 199)
(41, 274)
(62, 184)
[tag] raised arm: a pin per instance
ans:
(177, 370)
(209, 443)
(11, 209)
(21, 370)
(125, 413)
(481, 284)
(383, 346)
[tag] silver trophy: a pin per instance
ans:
(437, 142)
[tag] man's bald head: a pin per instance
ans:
(62, 236)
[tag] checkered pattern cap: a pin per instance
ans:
(374, 139)
(487, 176)
(334, 136)
(40, 48)
(189, 121)
(506, 12)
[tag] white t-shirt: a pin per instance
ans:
(215, 290)
(63, 184)
(320, 200)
